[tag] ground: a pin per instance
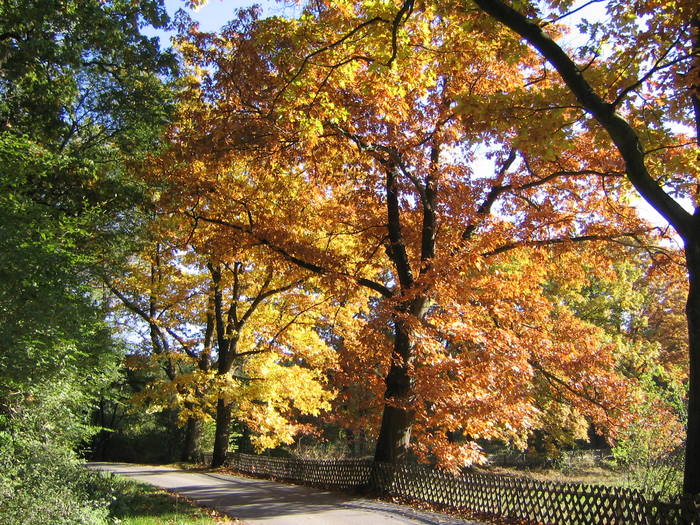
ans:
(263, 502)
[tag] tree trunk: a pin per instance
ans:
(221, 434)
(691, 478)
(395, 431)
(244, 445)
(193, 433)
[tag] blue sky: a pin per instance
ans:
(216, 13)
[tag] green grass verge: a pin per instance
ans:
(139, 504)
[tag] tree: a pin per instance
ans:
(82, 94)
(356, 135)
(649, 81)
(83, 83)
(270, 359)
(233, 329)
(160, 291)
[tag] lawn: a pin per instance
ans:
(140, 504)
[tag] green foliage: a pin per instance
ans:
(83, 96)
(78, 75)
(92, 93)
(43, 484)
(649, 451)
(41, 479)
(145, 438)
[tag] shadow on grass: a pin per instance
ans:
(138, 504)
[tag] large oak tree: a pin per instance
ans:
(359, 155)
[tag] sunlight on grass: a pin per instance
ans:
(140, 504)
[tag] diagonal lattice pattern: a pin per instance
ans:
(539, 502)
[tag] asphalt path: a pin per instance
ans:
(262, 502)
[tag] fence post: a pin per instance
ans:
(500, 500)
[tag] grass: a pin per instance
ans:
(139, 504)
(590, 475)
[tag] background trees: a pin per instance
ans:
(81, 96)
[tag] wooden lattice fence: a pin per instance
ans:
(540, 502)
(344, 473)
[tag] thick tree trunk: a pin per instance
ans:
(395, 431)
(394, 434)
(691, 479)
(221, 434)
(193, 433)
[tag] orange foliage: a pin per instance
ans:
(424, 201)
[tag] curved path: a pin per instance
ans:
(262, 502)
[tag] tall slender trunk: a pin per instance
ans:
(691, 477)
(244, 445)
(691, 474)
(395, 431)
(221, 434)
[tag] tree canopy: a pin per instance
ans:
(374, 133)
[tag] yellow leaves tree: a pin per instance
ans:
(236, 330)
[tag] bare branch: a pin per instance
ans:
(569, 13)
(496, 190)
(652, 70)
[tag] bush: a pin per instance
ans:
(41, 484)
(41, 478)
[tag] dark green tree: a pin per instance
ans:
(83, 98)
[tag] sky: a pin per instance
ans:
(215, 13)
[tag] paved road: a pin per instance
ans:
(261, 502)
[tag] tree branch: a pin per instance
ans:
(307, 265)
(551, 378)
(557, 240)
(622, 134)
(485, 207)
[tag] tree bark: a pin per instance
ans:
(395, 431)
(691, 473)
(691, 476)
(225, 346)
(244, 445)
(221, 434)
(193, 434)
